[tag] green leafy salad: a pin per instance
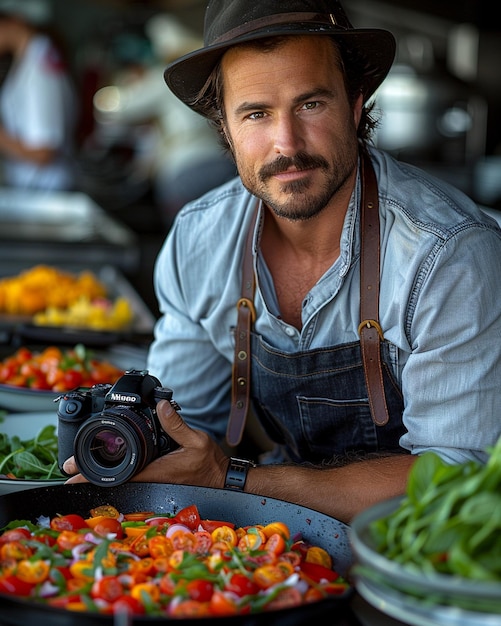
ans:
(450, 519)
(30, 459)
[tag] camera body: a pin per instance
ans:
(113, 430)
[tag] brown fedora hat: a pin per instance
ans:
(230, 22)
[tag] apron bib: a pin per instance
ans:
(315, 406)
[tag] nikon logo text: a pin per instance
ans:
(118, 397)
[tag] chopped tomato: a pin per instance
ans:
(182, 540)
(33, 571)
(269, 575)
(190, 608)
(15, 550)
(146, 591)
(203, 541)
(105, 510)
(317, 572)
(68, 522)
(275, 543)
(200, 590)
(210, 524)
(316, 554)
(127, 605)
(107, 588)
(138, 516)
(69, 539)
(64, 602)
(159, 546)
(189, 516)
(242, 585)
(135, 531)
(225, 534)
(286, 598)
(221, 604)
(254, 539)
(15, 534)
(15, 586)
(277, 527)
(81, 571)
(107, 525)
(291, 557)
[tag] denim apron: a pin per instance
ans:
(315, 404)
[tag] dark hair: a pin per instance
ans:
(355, 68)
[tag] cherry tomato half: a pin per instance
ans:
(242, 585)
(15, 534)
(200, 590)
(108, 525)
(13, 585)
(68, 522)
(107, 588)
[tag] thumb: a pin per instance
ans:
(173, 423)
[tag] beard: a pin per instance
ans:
(302, 200)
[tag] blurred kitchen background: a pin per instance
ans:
(140, 154)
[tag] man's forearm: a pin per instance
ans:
(340, 492)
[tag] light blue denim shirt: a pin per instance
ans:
(440, 307)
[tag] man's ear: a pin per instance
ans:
(357, 109)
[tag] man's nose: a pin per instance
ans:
(288, 136)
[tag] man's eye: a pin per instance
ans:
(310, 105)
(257, 115)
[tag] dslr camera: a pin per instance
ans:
(113, 430)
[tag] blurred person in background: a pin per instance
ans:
(38, 109)
(180, 150)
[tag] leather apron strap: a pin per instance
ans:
(240, 390)
(369, 330)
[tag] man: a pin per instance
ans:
(288, 85)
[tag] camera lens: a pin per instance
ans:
(112, 446)
(108, 448)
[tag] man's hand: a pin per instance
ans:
(197, 461)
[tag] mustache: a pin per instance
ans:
(300, 161)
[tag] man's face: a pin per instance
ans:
(289, 123)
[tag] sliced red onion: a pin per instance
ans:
(48, 589)
(157, 518)
(176, 600)
(79, 549)
(102, 604)
(294, 580)
(175, 527)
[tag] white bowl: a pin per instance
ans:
(26, 426)
(416, 597)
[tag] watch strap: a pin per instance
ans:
(236, 474)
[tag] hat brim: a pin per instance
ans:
(186, 76)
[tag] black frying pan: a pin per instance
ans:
(240, 508)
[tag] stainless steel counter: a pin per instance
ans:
(62, 227)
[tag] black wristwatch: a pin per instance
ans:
(237, 473)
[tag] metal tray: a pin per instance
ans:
(23, 399)
(18, 329)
